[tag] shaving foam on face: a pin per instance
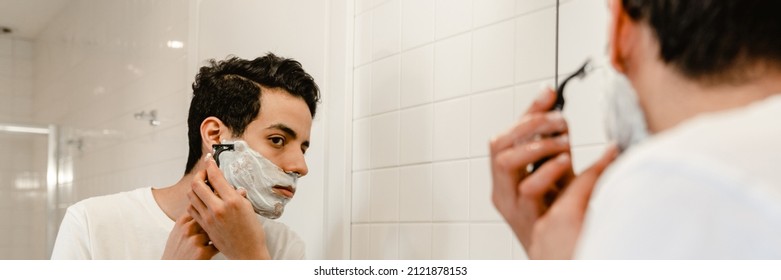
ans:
(624, 119)
(245, 168)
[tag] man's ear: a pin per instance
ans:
(621, 31)
(213, 131)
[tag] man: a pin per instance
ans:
(269, 103)
(707, 75)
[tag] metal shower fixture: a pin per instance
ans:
(150, 116)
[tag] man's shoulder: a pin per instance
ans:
(109, 201)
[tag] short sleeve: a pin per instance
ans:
(73, 237)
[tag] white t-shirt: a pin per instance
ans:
(708, 189)
(130, 225)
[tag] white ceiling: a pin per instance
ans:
(28, 17)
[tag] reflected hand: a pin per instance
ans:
(188, 241)
(556, 233)
(520, 196)
(226, 215)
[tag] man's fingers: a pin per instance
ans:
(196, 201)
(543, 181)
(579, 192)
(518, 157)
(529, 128)
(183, 219)
(242, 192)
(195, 214)
(217, 180)
(203, 192)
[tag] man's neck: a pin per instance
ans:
(173, 199)
(668, 99)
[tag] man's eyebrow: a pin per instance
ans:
(287, 130)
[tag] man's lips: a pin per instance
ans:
(285, 191)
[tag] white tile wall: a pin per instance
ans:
(452, 17)
(491, 113)
(491, 11)
(415, 134)
(384, 241)
(450, 241)
(16, 72)
(6, 46)
(386, 85)
(360, 242)
(490, 241)
(493, 56)
(415, 241)
(360, 197)
(417, 26)
(451, 129)
(384, 195)
(582, 110)
(580, 36)
(525, 94)
(481, 209)
(527, 6)
(386, 29)
(417, 76)
(415, 193)
(452, 64)
(535, 45)
(363, 38)
(385, 140)
(6, 66)
(450, 191)
(468, 70)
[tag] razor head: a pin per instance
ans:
(580, 73)
(218, 149)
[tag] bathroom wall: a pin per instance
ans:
(433, 81)
(23, 172)
(16, 79)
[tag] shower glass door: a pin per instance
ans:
(27, 191)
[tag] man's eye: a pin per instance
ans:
(277, 141)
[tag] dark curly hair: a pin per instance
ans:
(713, 40)
(230, 90)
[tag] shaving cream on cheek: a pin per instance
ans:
(245, 168)
(624, 120)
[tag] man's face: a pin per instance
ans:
(281, 131)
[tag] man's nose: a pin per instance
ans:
(296, 164)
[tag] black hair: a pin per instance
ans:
(713, 40)
(230, 90)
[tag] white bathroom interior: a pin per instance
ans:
(94, 97)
